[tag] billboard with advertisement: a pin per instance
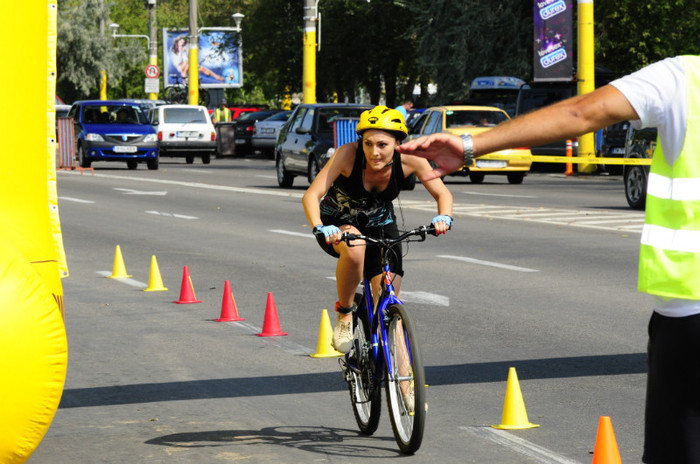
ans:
(553, 57)
(220, 58)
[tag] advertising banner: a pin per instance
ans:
(553, 57)
(220, 59)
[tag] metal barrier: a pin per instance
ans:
(344, 131)
(225, 134)
(66, 145)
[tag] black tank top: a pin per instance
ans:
(347, 201)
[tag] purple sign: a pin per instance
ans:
(553, 57)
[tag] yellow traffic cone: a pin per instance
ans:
(118, 270)
(514, 414)
(324, 347)
(155, 282)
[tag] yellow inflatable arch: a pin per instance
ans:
(33, 349)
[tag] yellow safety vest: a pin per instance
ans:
(226, 117)
(669, 258)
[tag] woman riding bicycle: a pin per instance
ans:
(354, 193)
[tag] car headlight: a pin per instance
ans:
(329, 153)
(94, 138)
(150, 138)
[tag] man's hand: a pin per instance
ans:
(445, 150)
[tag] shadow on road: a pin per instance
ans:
(548, 368)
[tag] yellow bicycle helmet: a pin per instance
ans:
(382, 118)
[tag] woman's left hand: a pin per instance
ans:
(442, 223)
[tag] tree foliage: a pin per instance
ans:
(377, 48)
(633, 33)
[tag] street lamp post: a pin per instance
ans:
(151, 50)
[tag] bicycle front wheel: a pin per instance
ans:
(364, 389)
(405, 387)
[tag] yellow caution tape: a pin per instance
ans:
(571, 159)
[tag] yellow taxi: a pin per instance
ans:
(460, 119)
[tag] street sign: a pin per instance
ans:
(152, 85)
(152, 71)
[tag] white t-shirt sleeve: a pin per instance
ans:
(657, 93)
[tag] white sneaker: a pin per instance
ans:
(409, 400)
(342, 335)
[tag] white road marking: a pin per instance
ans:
(140, 192)
(488, 263)
(76, 200)
(519, 445)
(425, 298)
(289, 232)
(278, 341)
(498, 195)
(125, 280)
(173, 215)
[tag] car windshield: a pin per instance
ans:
(184, 115)
(326, 117)
(113, 114)
(473, 118)
(282, 116)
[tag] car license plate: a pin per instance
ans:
(490, 164)
(267, 130)
(618, 151)
(125, 149)
(186, 134)
(238, 141)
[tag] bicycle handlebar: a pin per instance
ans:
(421, 231)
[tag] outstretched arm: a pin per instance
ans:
(567, 119)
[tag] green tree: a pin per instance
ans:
(634, 33)
(81, 51)
(460, 40)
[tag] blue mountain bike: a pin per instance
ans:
(386, 351)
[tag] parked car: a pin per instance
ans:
(305, 142)
(638, 144)
(612, 145)
(145, 103)
(265, 132)
(243, 127)
(460, 120)
(184, 131)
(109, 130)
(236, 111)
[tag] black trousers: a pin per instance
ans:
(672, 421)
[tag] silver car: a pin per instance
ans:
(265, 132)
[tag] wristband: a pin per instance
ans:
(468, 147)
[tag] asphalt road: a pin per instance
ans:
(539, 276)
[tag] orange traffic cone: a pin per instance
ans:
(187, 289)
(229, 313)
(514, 413)
(606, 451)
(271, 324)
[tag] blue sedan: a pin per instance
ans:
(107, 130)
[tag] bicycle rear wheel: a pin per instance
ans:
(365, 394)
(405, 390)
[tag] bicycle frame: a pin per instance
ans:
(375, 315)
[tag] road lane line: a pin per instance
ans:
(174, 215)
(289, 232)
(488, 263)
(125, 280)
(519, 445)
(498, 195)
(286, 345)
(76, 200)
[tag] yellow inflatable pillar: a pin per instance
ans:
(33, 348)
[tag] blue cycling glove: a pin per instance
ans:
(443, 218)
(326, 231)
